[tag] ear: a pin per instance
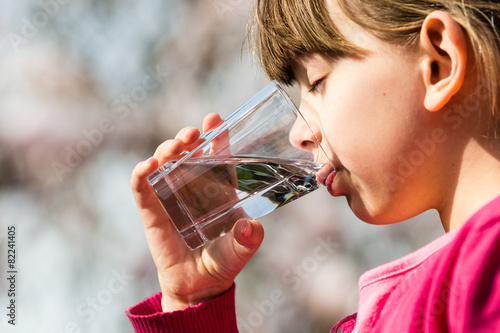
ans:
(445, 58)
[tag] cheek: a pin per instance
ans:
(372, 119)
(366, 122)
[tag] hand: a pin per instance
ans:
(189, 277)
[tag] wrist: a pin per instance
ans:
(171, 303)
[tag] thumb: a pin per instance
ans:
(247, 237)
(233, 251)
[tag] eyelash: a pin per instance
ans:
(315, 85)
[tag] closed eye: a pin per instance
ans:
(315, 85)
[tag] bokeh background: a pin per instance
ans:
(90, 88)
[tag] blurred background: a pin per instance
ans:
(90, 88)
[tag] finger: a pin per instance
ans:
(168, 150)
(150, 209)
(220, 144)
(187, 139)
(211, 122)
(247, 237)
(234, 250)
(195, 144)
(188, 135)
(164, 241)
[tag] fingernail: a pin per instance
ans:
(247, 231)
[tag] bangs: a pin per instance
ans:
(283, 30)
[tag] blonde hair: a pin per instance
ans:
(283, 30)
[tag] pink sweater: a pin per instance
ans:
(450, 285)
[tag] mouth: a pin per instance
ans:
(326, 176)
(329, 182)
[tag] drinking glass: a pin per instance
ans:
(245, 168)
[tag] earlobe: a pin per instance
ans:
(445, 58)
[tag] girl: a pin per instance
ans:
(404, 98)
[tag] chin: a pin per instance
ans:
(372, 215)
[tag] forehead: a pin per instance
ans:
(363, 41)
(345, 26)
(310, 63)
(349, 30)
(289, 29)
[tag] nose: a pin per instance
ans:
(305, 136)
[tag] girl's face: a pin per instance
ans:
(369, 116)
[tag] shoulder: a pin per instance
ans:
(474, 285)
(478, 240)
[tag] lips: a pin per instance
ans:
(329, 182)
(326, 176)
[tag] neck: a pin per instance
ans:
(477, 183)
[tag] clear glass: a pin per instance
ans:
(246, 168)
